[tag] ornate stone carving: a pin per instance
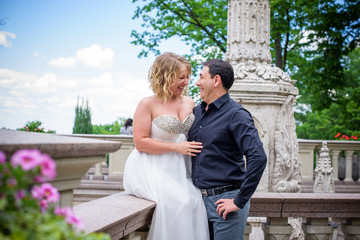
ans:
(286, 174)
(248, 48)
(324, 181)
(297, 233)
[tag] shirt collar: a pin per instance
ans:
(218, 102)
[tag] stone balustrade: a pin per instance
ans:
(127, 217)
(345, 168)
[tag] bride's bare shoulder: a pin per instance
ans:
(149, 101)
(189, 101)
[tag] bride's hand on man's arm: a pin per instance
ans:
(188, 148)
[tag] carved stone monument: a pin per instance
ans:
(266, 91)
(269, 94)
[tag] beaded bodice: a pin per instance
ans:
(173, 125)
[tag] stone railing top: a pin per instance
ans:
(118, 214)
(332, 143)
(55, 145)
(309, 205)
(102, 136)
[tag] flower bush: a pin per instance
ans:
(340, 136)
(34, 126)
(28, 203)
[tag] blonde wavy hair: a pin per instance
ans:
(163, 73)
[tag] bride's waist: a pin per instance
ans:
(170, 138)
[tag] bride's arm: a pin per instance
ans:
(141, 134)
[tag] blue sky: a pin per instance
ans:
(51, 52)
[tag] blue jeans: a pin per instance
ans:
(233, 227)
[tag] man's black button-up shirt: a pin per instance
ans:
(227, 132)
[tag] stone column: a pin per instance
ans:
(266, 91)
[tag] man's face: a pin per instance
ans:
(206, 85)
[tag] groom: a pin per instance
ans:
(227, 132)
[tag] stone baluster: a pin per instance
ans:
(348, 165)
(98, 172)
(132, 236)
(276, 228)
(335, 163)
(351, 228)
(317, 228)
(248, 229)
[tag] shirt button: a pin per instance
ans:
(200, 126)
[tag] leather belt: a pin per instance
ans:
(219, 190)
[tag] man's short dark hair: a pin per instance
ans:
(223, 69)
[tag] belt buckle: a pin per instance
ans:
(204, 192)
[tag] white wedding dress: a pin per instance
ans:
(166, 179)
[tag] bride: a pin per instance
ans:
(158, 169)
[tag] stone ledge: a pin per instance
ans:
(56, 146)
(309, 205)
(117, 215)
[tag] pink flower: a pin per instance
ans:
(27, 130)
(70, 216)
(46, 193)
(337, 135)
(36, 192)
(19, 195)
(2, 157)
(48, 167)
(26, 158)
(51, 193)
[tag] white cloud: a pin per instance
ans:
(10, 78)
(4, 38)
(104, 80)
(51, 98)
(63, 62)
(95, 56)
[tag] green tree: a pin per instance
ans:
(82, 122)
(342, 116)
(109, 129)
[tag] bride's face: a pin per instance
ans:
(178, 87)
